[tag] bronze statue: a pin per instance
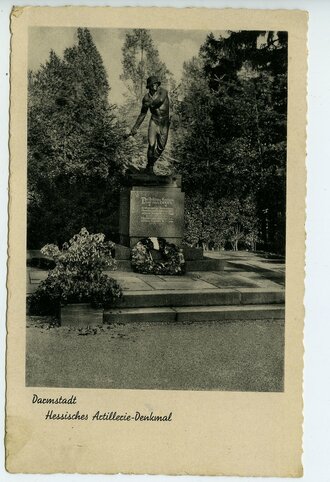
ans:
(158, 102)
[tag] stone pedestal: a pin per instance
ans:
(151, 206)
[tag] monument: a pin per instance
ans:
(152, 205)
(157, 100)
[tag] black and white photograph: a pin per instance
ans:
(156, 208)
(156, 241)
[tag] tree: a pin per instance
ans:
(140, 60)
(73, 139)
(258, 62)
(231, 137)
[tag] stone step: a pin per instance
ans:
(205, 297)
(194, 314)
(80, 315)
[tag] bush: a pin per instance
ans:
(85, 255)
(46, 300)
(105, 292)
(222, 222)
(78, 275)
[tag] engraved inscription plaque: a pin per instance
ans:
(156, 212)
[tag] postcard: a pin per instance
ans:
(156, 241)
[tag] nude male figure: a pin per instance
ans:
(158, 102)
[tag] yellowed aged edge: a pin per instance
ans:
(292, 473)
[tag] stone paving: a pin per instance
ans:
(243, 270)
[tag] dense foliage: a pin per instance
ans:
(73, 140)
(230, 136)
(140, 60)
(78, 274)
(221, 223)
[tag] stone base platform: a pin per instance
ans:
(195, 259)
(202, 296)
(250, 287)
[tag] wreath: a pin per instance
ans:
(171, 260)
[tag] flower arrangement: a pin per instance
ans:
(171, 263)
(78, 275)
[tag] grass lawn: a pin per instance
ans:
(238, 355)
